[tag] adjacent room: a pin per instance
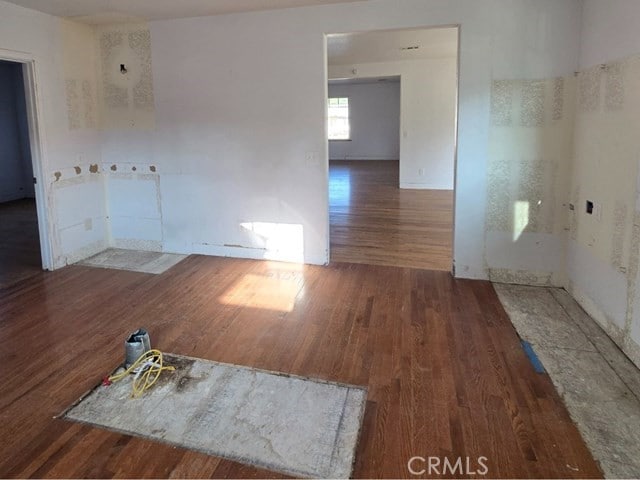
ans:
(392, 134)
(319, 239)
(19, 237)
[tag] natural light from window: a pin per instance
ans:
(520, 218)
(339, 118)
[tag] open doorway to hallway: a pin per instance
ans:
(19, 238)
(392, 106)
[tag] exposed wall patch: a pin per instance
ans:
(88, 104)
(115, 96)
(73, 104)
(140, 43)
(531, 190)
(558, 98)
(619, 233)
(614, 87)
(498, 196)
(502, 103)
(573, 222)
(532, 109)
(589, 90)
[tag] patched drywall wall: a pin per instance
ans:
(530, 152)
(82, 228)
(241, 161)
(126, 78)
(604, 246)
(134, 206)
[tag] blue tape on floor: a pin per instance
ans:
(533, 358)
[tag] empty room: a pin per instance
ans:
(319, 239)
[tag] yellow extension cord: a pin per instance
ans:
(149, 366)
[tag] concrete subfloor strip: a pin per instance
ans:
(598, 383)
(295, 425)
(134, 260)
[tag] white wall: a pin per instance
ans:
(427, 117)
(254, 153)
(604, 248)
(76, 201)
(15, 160)
(374, 118)
(242, 163)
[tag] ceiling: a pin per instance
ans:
(392, 45)
(109, 11)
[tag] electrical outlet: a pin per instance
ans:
(589, 207)
(421, 172)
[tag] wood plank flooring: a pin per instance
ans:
(19, 241)
(444, 368)
(373, 221)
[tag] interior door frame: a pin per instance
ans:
(38, 159)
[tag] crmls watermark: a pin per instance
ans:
(443, 466)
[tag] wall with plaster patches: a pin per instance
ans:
(128, 112)
(79, 185)
(126, 95)
(530, 152)
(243, 161)
(427, 117)
(604, 247)
(54, 44)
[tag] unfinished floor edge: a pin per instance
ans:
(588, 370)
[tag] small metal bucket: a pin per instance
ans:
(135, 345)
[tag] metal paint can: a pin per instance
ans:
(135, 345)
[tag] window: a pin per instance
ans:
(339, 119)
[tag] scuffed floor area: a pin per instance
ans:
(599, 384)
(134, 260)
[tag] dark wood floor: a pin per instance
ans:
(444, 367)
(19, 241)
(375, 222)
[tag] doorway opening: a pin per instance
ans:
(392, 102)
(20, 240)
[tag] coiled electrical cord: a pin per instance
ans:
(147, 369)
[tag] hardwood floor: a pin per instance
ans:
(19, 241)
(446, 374)
(374, 222)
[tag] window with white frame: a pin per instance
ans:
(339, 118)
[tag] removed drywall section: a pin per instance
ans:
(374, 119)
(427, 117)
(81, 212)
(605, 244)
(126, 77)
(135, 216)
(530, 152)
